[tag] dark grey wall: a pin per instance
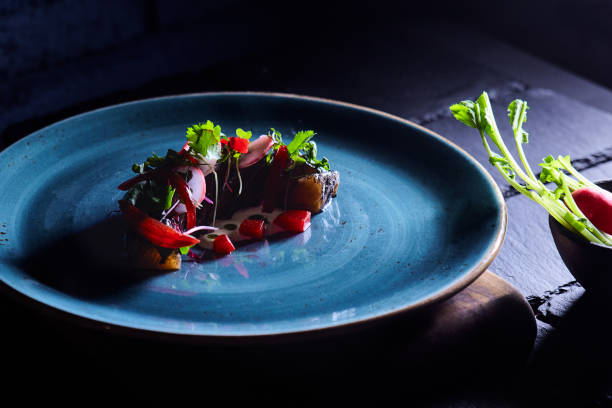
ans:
(576, 35)
(61, 57)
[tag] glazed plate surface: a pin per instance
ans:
(415, 220)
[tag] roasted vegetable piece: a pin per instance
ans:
(144, 255)
(312, 192)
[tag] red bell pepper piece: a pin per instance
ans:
(252, 228)
(182, 189)
(239, 144)
(156, 232)
(222, 245)
(294, 220)
(275, 178)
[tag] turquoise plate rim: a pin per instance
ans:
(433, 299)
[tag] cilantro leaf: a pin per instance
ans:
(304, 150)
(301, 137)
(204, 140)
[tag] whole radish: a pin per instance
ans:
(596, 205)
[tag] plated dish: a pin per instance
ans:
(417, 220)
(218, 190)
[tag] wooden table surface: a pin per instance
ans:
(571, 359)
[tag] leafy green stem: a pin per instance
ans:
(559, 203)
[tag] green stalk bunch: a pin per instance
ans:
(558, 202)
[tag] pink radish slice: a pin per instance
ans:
(257, 150)
(208, 168)
(596, 205)
(196, 184)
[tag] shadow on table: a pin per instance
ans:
(462, 348)
(573, 365)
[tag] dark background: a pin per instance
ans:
(61, 57)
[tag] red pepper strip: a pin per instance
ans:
(252, 228)
(157, 233)
(157, 173)
(126, 185)
(181, 187)
(239, 144)
(293, 220)
(274, 179)
(222, 245)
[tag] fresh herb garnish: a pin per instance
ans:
(278, 142)
(300, 139)
(171, 160)
(204, 143)
(302, 149)
(151, 197)
(559, 203)
(204, 139)
(243, 134)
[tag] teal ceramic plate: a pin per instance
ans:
(416, 219)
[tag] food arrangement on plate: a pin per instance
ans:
(576, 203)
(219, 190)
(388, 244)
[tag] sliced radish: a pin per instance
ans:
(206, 168)
(257, 150)
(196, 184)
